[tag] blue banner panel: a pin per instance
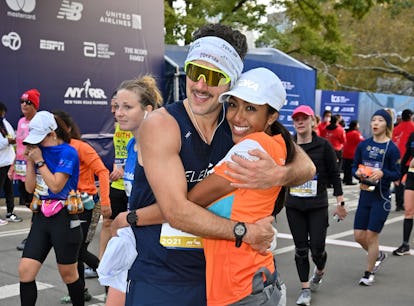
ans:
(344, 103)
(299, 83)
(76, 53)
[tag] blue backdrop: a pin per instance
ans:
(76, 53)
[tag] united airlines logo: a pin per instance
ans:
(70, 10)
(52, 45)
(21, 8)
(122, 19)
(85, 95)
(12, 41)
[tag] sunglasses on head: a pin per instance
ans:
(27, 102)
(211, 76)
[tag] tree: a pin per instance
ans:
(347, 41)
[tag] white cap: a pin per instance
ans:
(258, 86)
(39, 127)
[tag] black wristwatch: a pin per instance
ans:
(239, 231)
(132, 218)
(40, 164)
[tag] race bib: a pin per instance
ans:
(306, 190)
(41, 187)
(172, 238)
(20, 167)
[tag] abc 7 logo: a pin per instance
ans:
(12, 41)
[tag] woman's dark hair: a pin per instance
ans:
(277, 128)
(332, 125)
(62, 130)
(68, 121)
(353, 125)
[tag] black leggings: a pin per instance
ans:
(84, 255)
(308, 229)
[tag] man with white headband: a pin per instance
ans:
(179, 144)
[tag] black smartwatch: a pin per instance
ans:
(239, 231)
(132, 218)
(40, 164)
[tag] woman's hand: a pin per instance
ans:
(33, 153)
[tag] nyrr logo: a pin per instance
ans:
(52, 45)
(12, 41)
(70, 10)
(21, 8)
(85, 92)
(26, 6)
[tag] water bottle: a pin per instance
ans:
(87, 201)
(72, 205)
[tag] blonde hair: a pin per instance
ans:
(146, 89)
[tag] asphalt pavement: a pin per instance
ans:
(346, 264)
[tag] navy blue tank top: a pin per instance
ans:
(154, 262)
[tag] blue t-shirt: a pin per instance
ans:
(62, 158)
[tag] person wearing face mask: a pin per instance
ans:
(326, 120)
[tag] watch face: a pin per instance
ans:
(132, 218)
(239, 230)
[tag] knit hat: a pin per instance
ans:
(384, 114)
(32, 95)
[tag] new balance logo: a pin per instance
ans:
(70, 10)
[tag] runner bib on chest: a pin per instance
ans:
(306, 190)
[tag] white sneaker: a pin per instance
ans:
(316, 280)
(368, 279)
(3, 222)
(90, 273)
(304, 297)
(13, 218)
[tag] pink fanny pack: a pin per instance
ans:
(51, 207)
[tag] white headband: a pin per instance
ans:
(219, 53)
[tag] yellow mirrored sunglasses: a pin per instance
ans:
(211, 76)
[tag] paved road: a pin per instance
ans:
(346, 263)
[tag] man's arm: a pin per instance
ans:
(265, 173)
(160, 143)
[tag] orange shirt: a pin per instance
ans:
(230, 270)
(91, 165)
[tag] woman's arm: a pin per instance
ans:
(55, 182)
(265, 173)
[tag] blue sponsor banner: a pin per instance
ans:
(344, 103)
(298, 79)
(76, 53)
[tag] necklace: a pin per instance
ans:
(204, 138)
